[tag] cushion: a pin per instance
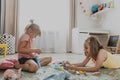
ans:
(4, 64)
(11, 60)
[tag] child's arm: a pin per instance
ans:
(23, 49)
(82, 64)
(89, 69)
(73, 66)
(100, 59)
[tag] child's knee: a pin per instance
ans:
(30, 67)
(50, 59)
(33, 68)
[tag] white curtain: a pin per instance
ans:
(9, 14)
(49, 14)
(9, 17)
(2, 17)
(71, 25)
(51, 41)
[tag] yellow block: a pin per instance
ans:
(81, 72)
(4, 46)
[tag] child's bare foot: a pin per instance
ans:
(17, 65)
(19, 73)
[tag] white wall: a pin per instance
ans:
(49, 14)
(111, 20)
(83, 19)
(107, 20)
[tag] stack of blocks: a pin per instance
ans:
(4, 47)
(9, 40)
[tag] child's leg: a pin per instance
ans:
(18, 74)
(29, 66)
(45, 61)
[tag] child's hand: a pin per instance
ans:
(67, 62)
(37, 51)
(70, 67)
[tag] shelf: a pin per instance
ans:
(94, 31)
(100, 12)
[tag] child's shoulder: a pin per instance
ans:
(25, 37)
(103, 52)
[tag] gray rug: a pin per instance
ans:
(105, 74)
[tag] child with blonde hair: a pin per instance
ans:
(28, 58)
(95, 51)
